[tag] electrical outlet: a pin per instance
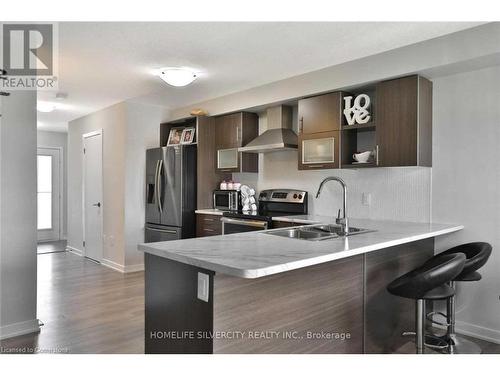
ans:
(366, 199)
(203, 286)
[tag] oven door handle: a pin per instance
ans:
(249, 223)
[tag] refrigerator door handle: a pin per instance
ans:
(156, 183)
(162, 230)
(159, 185)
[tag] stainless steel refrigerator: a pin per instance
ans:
(170, 193)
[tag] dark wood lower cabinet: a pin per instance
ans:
(284, 224)
(208, 225)
(336, 307)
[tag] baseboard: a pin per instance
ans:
(134, 268)
(483, 333)
(74, 250)
(18, 329)
(121, 268)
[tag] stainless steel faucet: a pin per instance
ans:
(344, 221)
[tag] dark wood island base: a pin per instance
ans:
(340, 306)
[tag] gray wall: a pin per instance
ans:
(58, 139)
(466, 185)
(18, 267)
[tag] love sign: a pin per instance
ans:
(357, 112)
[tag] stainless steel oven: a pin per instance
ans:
(231, 225)
(227, 200)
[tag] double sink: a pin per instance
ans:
(317, 232)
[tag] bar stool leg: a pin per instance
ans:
(420, 326)
(457, 345)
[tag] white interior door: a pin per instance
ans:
(48, 193)
(92, 195)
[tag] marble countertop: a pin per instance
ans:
(256, 254)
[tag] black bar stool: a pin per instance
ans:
(477, 254)
(427, 282)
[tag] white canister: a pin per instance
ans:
(223, 185)
(230, 185)
(236, 185)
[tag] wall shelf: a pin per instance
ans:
(359, 165)
(368, 125)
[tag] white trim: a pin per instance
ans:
(91, 134)
(110, 264)
(121, 268)
(134, 268)
(20, 328)
(88, 135)
(74, 250)
(483, 333)
(60, 149)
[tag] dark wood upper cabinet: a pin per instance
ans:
(208, 177)
(319, 150)
(208, 225)
(321, 113)
(233, 131)
(404, 122)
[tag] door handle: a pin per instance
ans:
(98, 204)
(159, 186)
(169, 231)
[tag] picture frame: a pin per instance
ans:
(175, 136)
(187, 136)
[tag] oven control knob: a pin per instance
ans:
(295, 196)
(300, 196)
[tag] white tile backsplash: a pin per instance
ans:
(396, 193)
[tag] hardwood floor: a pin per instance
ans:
(88, 308)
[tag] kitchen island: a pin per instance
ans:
(259, 293)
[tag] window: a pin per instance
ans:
(44, 191)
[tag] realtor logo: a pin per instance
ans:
(29, 56)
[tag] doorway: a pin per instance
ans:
(92, 196)
(49, 180)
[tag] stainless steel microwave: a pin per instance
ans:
(227, 200)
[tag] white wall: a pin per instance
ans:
(143, 132)
(461, 50)
(18, 265)
(466, 185)
(58, 139)
(128, 130)
(112, 121)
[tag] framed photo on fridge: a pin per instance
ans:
(175, 136)
(188, 136)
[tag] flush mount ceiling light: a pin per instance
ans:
(177, 77)
(45, 107)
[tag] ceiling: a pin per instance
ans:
(101, 64)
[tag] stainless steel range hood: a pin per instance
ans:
(279, 135)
